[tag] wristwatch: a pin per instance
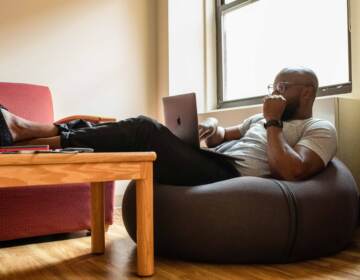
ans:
(277, 123)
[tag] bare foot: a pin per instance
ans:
(12, 125)
(22, 129)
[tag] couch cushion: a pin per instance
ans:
(41, 210)
(18, 97)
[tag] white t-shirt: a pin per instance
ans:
(315, 134)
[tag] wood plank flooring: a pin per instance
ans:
(67, 256)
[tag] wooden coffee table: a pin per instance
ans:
(95, 168)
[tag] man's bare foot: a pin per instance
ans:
(22, 129)
(12, 125)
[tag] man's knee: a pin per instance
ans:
(149, 123)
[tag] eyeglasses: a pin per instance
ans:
(283, 86)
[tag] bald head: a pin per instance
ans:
(298, 85)
(301, 75)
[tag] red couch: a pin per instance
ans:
(42, 210)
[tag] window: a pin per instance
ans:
(257, 38)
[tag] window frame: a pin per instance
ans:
(221, 7)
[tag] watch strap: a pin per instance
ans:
(277, 123)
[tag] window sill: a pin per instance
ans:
(324, 107)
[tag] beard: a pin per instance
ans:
(290, 111)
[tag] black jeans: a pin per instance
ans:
(177, 163)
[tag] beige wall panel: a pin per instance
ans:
(355, 47)
(349, 135)
(324, 108)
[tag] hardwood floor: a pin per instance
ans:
(67, 256)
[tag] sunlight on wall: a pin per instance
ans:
(96, 56)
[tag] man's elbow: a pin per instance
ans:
(295, 173)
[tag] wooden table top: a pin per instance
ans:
(61, 158)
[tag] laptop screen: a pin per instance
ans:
(181, 118)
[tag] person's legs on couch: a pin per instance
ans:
(177, 162)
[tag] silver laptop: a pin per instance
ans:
(181, 118)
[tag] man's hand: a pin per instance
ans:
(273, 107)
(207, 128)
(214, 135)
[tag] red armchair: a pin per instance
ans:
(42, 210)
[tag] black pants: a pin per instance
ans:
(177, 163)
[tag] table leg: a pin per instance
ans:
(145, 223)
(97, 218)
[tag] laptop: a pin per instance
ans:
(181, 119)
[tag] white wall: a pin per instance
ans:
(162, 54)
(97, 57)
(186, 49)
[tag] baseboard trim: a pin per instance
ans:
(118, 200)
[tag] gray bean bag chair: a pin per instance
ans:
(253, 220)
